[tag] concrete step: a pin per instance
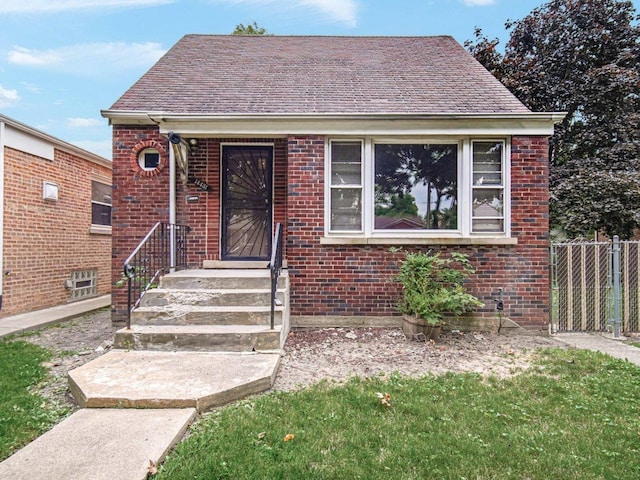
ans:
(144, 379)
(200, 338)
(221, 279)
(196, 315)
(160, 297)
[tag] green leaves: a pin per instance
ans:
(433, 286)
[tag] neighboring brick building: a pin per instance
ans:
(56, 221)
(356, 145)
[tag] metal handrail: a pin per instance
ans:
(274, 266)
(152, 258)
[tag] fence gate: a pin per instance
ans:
(595, 286)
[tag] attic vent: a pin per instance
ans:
(84, 284)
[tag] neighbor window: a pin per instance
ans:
(451, 188)
(84, 284)
(100, 204)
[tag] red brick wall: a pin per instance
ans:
(140, 199)
(330, 279)
(357, 280)
(44, 241)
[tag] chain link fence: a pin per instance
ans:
(595, 286)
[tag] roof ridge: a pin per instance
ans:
(224, 35)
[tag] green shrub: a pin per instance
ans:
(433, 286)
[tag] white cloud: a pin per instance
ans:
(93, 59)
(8, 97)
(343, 11)
(84, 122)
(24, 56)
(478, 3)
(48, 6)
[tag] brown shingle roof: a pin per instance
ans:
(222, 75)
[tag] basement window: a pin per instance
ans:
(84, 284)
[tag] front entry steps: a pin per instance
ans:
(210, 311)
(202, 339)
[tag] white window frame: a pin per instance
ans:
(465, 193)
(329, 186)
(506, 191)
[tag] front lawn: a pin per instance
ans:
(23, 414)
(575, 415)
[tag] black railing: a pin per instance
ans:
(152, 258)
(274, 266)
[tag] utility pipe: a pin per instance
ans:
(172, 209)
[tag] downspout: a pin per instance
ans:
(2, 133)
(172, 209)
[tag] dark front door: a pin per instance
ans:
(246, 202)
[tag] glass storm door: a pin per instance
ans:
(246, 202)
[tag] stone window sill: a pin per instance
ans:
(418, 241)
(100, 229)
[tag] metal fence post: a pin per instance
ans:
(616, 286)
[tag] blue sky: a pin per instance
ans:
(62, 61)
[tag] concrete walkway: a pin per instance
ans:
(48, 316)
(599, 342)
(100, 444)
(121, 444)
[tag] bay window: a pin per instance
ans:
(418, 188)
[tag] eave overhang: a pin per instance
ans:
(282, 125)
(56, 142)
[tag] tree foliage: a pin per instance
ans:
(580, 57)
(249, 29)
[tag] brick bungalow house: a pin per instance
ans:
(358, 146)
(55, 221)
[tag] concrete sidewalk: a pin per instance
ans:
(601, 342)
(100, 444)
(48, 316)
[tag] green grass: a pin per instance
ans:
(575, 415)
(23, 414)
